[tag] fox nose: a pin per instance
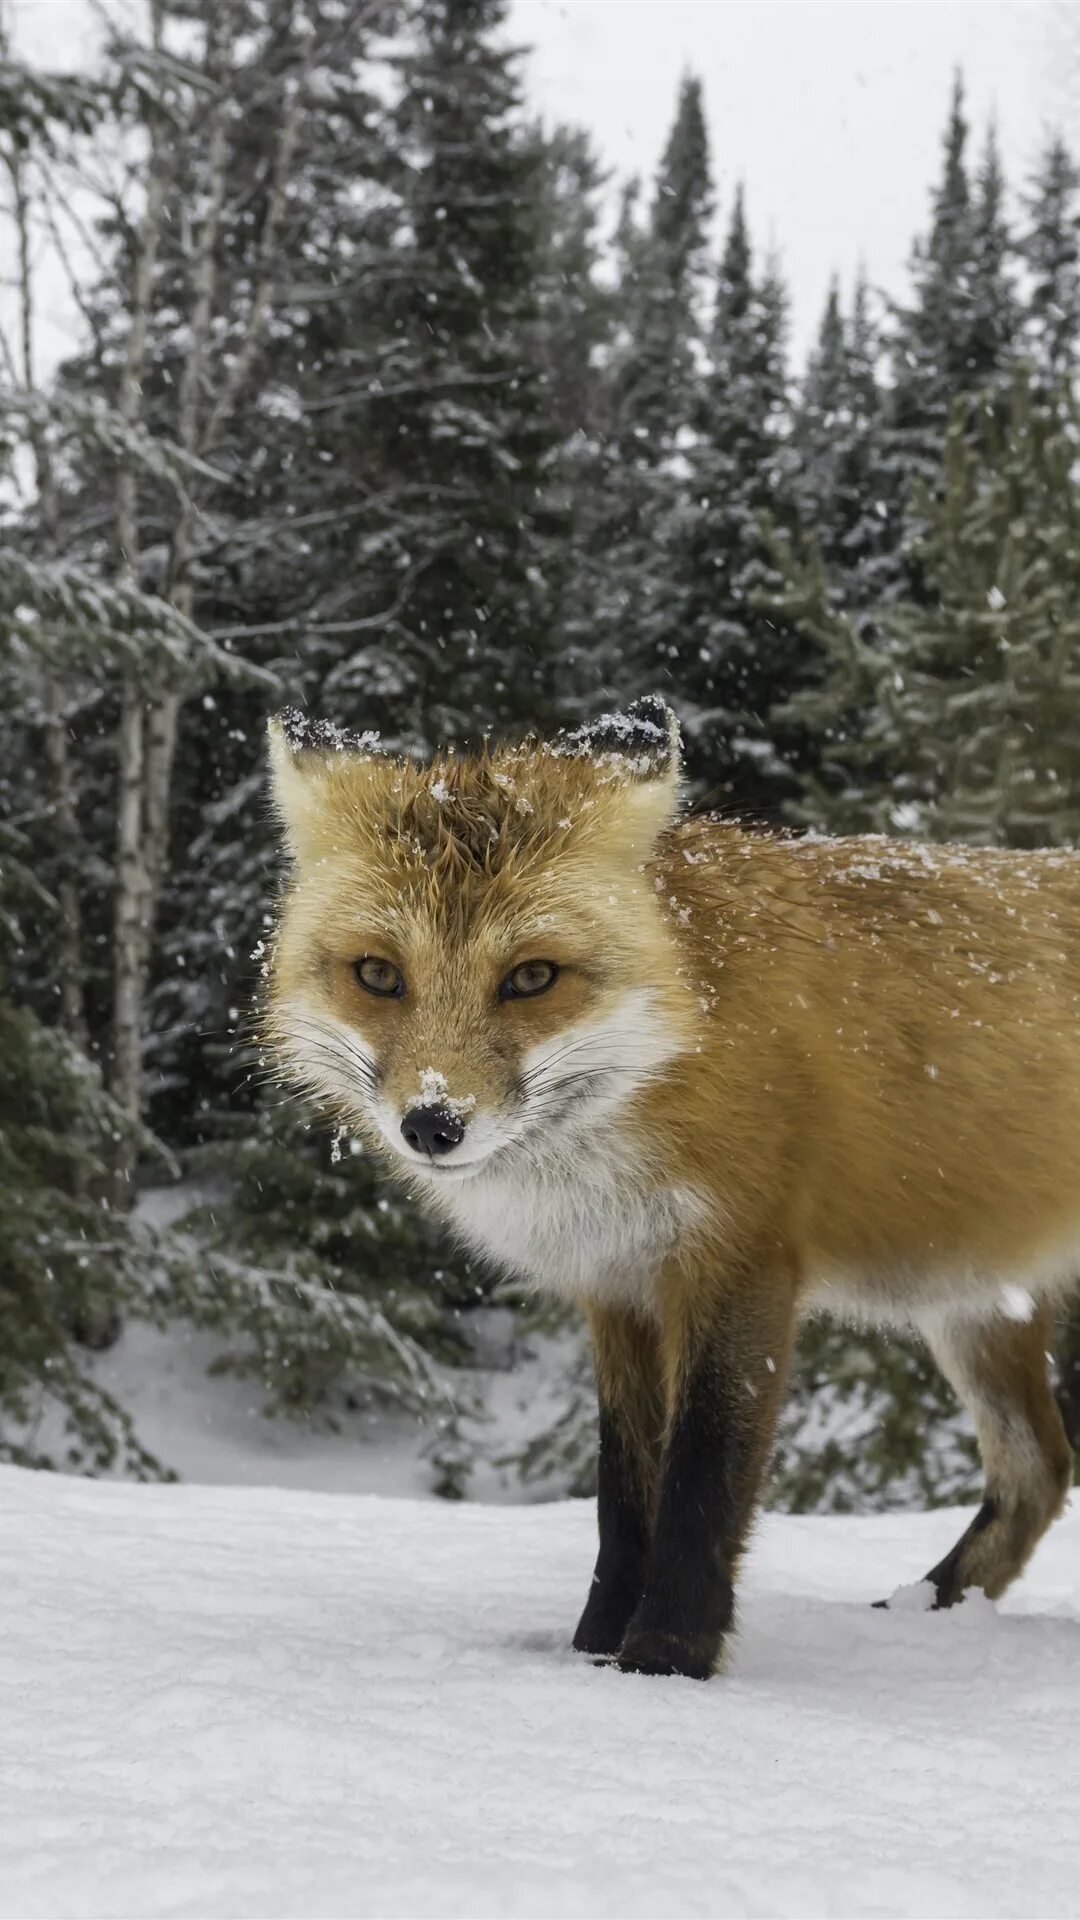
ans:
(432, 1130)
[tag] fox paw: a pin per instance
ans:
(646, 1650)
(599, 1636)
(608, 1611)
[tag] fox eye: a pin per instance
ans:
(531, 977)
(379, 976)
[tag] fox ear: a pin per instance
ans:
(640, 745)
(642, 742)
(303, 753)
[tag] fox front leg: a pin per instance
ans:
(629, 1383)
(726, 1366)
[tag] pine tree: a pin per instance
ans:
(869, 1424)
(410, 462)
(983, 690)
(836, 568)
(447, 410)
(953, 345)
(66, 1260)
(575, 310)
(958, 334)
(634, 473)
(931, 346)
(727, 660)
(836, 437)
(822, 401)
(1051, 251)
(576, 320)
(994, 306)
(654, 376)
(234, 161)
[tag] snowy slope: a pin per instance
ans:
(257, 1703)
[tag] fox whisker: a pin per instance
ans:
(581, 1044)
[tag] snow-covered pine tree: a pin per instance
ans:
(654, 374)
(575, 309)
(957, 334)
(197, 304)
(956, 338)
(577, 313)
(837, 567)
(729, 662)
(42, 117)
(446, 409)
(821, 408)
(1050, 248)
(276, 553)
(931, 334)
(983, 689)
(67, 1261)
(408, 461)
(634, 471)
(69, 1264)
(836, 441)
(138, 473)
(995, 314)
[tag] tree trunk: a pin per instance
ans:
(69, 950)
(148, 730)
(57, 757)
(131, 936)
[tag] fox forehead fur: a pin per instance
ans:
(862, 1052)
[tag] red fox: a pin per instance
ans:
(701, 1080)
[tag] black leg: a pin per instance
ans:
(624, 1545)
(718, 1447)
(631, 1424)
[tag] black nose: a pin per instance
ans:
(432, 1129)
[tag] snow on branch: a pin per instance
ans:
(67, 616)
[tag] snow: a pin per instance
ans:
(267, 1703)
(211, 1427)
(434, 1092)
(638, 742)
(304, 732)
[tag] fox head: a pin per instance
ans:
(472, 959)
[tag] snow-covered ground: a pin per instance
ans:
(214, 1429)
(249, 1702)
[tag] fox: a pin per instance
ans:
(701, 1079)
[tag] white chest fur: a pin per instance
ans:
(584, 1224)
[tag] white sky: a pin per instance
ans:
(831, 111)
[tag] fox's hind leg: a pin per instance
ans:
(1000, 1370)
(629, 1381)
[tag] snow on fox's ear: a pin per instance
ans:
(641, 749)
(302, 754)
